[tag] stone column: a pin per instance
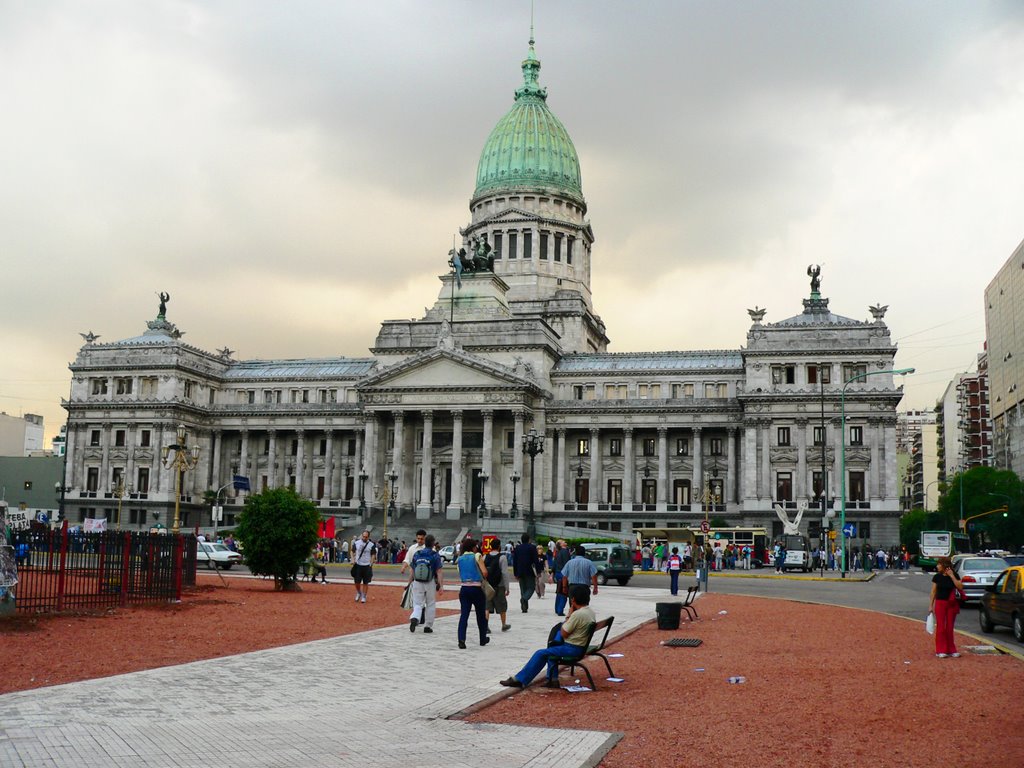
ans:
(749, 466)
(493, 481)
(455, 509)
(329, 474)
(629, 469)
(663, 474)
(874, 432)
(104, 484)
(300, 462)
(272, 459)
(164, 472)
(697, 483)
(560, 482)
(71, 452)
(734, 449)
(129, 464)
(517, 442)
(370, 454)
(800, 481)
(888, 462)
(216, 439)
(396, 449)
(595, 468)
(157, 479)
(425, 508)
(243, 466)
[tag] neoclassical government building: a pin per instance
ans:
(439, 407)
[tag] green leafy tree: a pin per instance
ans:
(278, 529)
(911, 525)
(984, 489)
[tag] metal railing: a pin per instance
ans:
(59, 570)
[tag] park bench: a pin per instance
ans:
(593, 650)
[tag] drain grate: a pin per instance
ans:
(684, 642)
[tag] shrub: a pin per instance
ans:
(277, 530)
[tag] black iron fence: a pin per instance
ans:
(59, 570)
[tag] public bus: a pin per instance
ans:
(936, 544)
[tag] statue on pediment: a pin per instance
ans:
(757, 314)
(814, 272)
(791, 528)
(164, 298)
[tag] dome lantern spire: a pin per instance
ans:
(531, 72)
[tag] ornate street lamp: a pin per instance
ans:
(120, 490)
(389, 492)
(362, 496)
(61, 490)
(184, 459)
(515, 508)
(484, 477)
(842, 449)
(532, 445)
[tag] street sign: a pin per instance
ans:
(705, 526)
(849, 530)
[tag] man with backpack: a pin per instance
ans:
(497, 576)
(427, 581)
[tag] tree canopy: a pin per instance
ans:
(983, 489)
(277, 529)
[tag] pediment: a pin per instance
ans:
(448, 370)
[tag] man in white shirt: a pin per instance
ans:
(362, 565)
(421, 536)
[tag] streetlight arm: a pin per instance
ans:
(1004, 509)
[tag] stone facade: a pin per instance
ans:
(443, 402)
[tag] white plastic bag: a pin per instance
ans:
(929, 623)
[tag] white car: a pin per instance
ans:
(447, 554)
(216, 556)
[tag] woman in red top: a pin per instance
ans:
(945, 605)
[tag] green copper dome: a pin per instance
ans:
(529, 148)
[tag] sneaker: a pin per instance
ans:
(954, 655)
(427, 630)
(357, 597)
(941, 655)
(511, 682)
(506, 627)
(412, 624)
(362, 598)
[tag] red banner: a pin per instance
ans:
(327, 528)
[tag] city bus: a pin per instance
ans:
(754, 537)
(936, 544)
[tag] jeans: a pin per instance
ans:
(472, 598)
(560, 600)
(526, 586)
(543, 657)
(674, 584)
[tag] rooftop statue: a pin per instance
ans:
(757, 313)
(479, 259)
(814, 271)
(878, 311)
(164, 298)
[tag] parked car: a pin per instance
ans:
(447, 554)
(216, 556)
(1012, 560)
(1002, 604)
(613, 561)
(977, 572)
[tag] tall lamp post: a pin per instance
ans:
(484, 477)
(61, 490)
(515, 507)
(532, 445)
(362, 496)
(120, 490)
(184, 459)
(842, 448)
(392, 476)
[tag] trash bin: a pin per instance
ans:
(668, 615)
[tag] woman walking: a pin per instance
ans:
(471, 595)
(945, 606)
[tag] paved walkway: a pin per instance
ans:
(370, 699)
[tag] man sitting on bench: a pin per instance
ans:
(570, 641)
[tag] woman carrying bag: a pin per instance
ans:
(473, 575)
(945, 604)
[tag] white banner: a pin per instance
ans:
(94, 524)
(18, 519)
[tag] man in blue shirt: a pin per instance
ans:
(579, 571)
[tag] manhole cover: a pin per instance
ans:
(983, 649)
(684, 642)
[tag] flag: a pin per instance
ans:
(240, 482)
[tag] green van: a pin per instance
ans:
(613, 561)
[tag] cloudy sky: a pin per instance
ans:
(293, 173)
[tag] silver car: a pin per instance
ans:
(216, 556)
(978, 572)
